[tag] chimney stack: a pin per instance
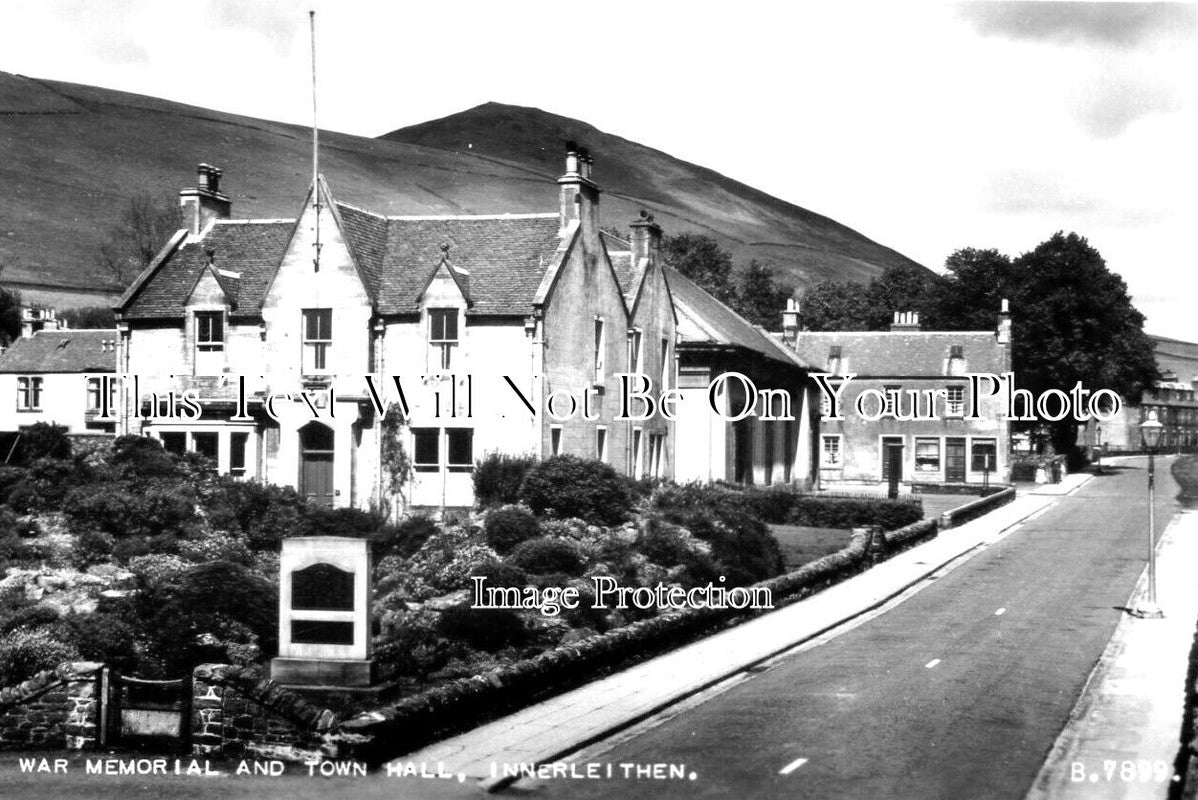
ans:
(645, 239)
(205, 202)
(579, 194)
(1004, 323)
(905, 321)
(790, 322)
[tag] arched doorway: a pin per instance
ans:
(316, 463)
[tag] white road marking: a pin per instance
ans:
(792, 766)
(1000, 612)
(932, 663)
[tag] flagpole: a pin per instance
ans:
(315, 144)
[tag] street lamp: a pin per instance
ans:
(1150, 433)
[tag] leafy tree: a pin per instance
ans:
(903, 288)
(143, 228)
(761, 298)
(10, 314)
(89, 317)
(835, 306)
(701, 259)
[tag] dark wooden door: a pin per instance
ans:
(892, 458)
(954, 460)
(316, 464)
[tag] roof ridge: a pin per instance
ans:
(431, 217)
(263, 221)
(359, 209)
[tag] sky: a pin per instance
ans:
(925, 126)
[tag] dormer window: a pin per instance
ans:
(210, 331)
(443, 333)
(318, 338)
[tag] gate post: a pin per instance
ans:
(84, 702)
(207, 712)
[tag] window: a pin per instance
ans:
(955, 401)
(666, 370)
(927, 455)
(95, 396)
(601, 444)
(637, 462)
(237, 443)
(174, 442)
(427, 447)
(892, 395)
(656, 442)
(829, 452)
(29, 394)
(210, 331)
(443, 333)
(460, 448)
(207, 445)
(600, 347)
(984, 455)
(318, 338)
(555, 440)
(635, 348)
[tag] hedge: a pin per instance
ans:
(844, 512)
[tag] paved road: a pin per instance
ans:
(941, 697)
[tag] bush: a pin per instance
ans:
(213, 547)
(43, 440)
(106, 636)
(23, 498)
(30, 617)
(508, 526)
(129, 548)
(266, 514)
(403, 538)
(503, 576)
(91, 547)
(9, 478)
(546, 555)
(51, 480)
(497, 479)
(25, 653)
(487, 629)
(840, 512)
(156, 509)
(774, 504)
(661, 544)
(141, 456)
(574, 487)
(12, 548)
(341, 522)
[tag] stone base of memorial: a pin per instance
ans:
(324, 613)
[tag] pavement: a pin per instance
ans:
(1123, 735)
(564, 724)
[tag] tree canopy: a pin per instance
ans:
(757, 294)
(144, 227)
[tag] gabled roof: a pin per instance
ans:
(902, 353)
(1176, 356)
(505, 256)
(61, 351)
(704, 321)
(254, 249)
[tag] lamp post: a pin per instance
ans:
(1150, 433)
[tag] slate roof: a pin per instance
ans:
(61, 351)
(902, 353)
(252, 249)
(705, 321)
(505, 256)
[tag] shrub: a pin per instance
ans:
(403, 538)
(487, 629)
(25, 653)
(497, 478)
(773, 504)
(341, 522)
(840, 512)
(156, 509)
(576, 487)
(9, 477)
(43, 440)
(661, 544)
(91, 547)
(30, 617)
(27, 528)
(124, 550)
(213, 547)
(12, 547)
(23, 498)
(547, 554)
(52, 479)
(141, 456)
(265, 513)
(414, 649)
(503, 576)
(508, 526)
(106, 636)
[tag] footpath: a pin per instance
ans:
(564, 724)
(1123, 734)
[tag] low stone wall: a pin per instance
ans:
(236, 712)
(55, 708)
(971, 511)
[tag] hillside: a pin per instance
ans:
(71, 154)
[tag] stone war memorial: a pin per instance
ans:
(324, 613)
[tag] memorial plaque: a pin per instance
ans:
(322, 587)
